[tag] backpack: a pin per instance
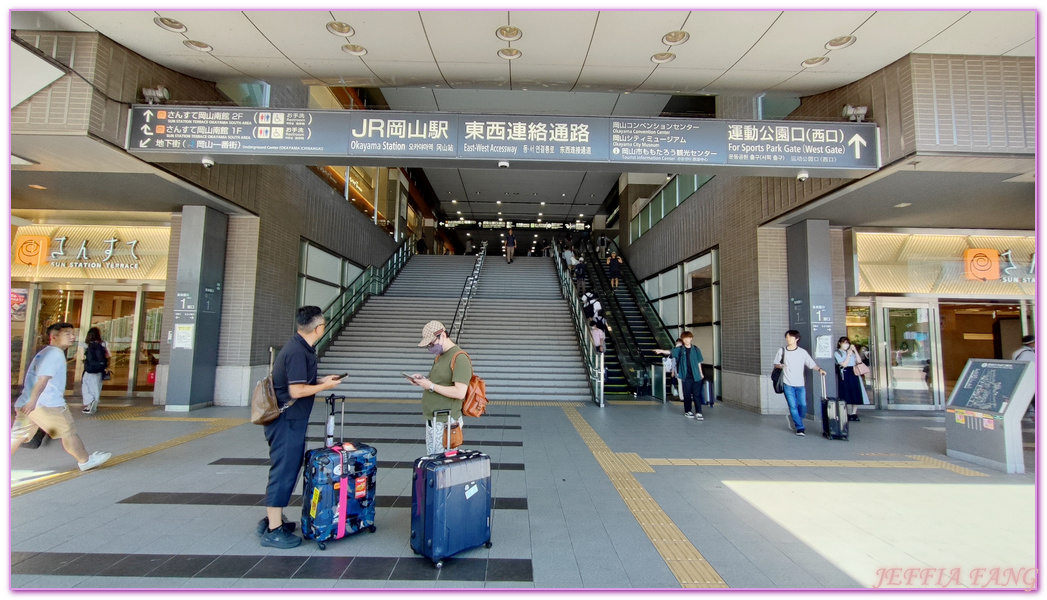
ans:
(475, 402)
(95, 360)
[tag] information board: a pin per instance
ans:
(987, 386)
(185, 133)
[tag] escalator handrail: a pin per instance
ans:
(643, 302)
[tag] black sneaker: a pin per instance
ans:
(801, 434)
(263, 526)
(280, 538)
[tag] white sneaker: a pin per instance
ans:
(96, 459)
(689, 415)
(699, 417)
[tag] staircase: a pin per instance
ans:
(518, 332)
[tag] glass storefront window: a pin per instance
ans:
(57, 306)
(149, 344)
(113, 313)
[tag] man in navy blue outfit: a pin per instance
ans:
(688, 361)
(294, 380)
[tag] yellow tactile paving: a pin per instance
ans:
(687, 564)
(216, 426)
(491, 403)
(119, 414)
(918, 462)
(634, 463)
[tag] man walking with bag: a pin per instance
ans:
(688, 362)
(446, 385)
(791, 360)
(295, 384)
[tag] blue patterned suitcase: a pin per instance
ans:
(451, 504)
(338, 488)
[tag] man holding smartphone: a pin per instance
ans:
(446, 385)
(295, 383)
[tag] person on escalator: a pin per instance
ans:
(688, 361)
(591, 305)
(614, 269)
(580, 274)
(601, 246)
(598, 336)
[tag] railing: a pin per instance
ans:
(372, 281)
(594, 359)
(630, 355)
(650, 315)
(471, 283)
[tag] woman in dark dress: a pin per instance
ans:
(849, 384)
(614, 269)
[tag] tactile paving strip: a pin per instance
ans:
(683, 559)
(918, 462)
(941, 464)
(216, 426)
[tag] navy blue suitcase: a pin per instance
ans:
(451, 504)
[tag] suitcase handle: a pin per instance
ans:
(330, 421)
(825, 393)
(447, 432)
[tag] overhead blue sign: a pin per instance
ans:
(176, 134)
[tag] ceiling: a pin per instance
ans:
(576, 62)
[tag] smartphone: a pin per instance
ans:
(342, 376)
(406, 375)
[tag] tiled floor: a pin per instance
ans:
(762, 507)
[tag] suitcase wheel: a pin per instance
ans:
(372, 529)
(322, 545)
(488, 544)
(439, 564)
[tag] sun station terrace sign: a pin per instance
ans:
(366, 137)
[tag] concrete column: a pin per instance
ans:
(197, 309)
(809, 251)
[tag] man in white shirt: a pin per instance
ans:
(793, 359)
(1027, 353)
(42, 403)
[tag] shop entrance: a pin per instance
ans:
(907, 356)
(977, 330)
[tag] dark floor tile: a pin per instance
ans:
(44, 562)
(148, 498)
(402, 502)
(507, 466)
(183, 565)
(242, 500)
(241, 461)
(370, 567)
(276, 567)
(510, 503)
(88, 564)
(136, 565)
(509, 569)
(413, 569)
(212, 499)
(324, 567)
(17, 557)
(229, 566)
(464, 569)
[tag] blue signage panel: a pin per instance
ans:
(178, 133)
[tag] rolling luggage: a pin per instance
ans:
(450, 504)
(834, 417)
(338, 487)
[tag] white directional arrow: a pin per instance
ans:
(148, 115)
(146, 130)
(143, 143)
(857, 141)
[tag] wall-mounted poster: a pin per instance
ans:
(19, 300)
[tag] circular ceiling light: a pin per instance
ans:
(354, 49)
(200, 46)
(169, 24)
(341, 29)
(814, 61)
(508, 33)
(663, 57)
(838, 43)
(674, 38)
(510, 53)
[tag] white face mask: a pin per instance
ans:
(845, 346)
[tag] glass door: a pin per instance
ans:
(909, 355)
(149, 344)
(57, 306)
(113, 313)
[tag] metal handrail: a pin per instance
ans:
(643, 302)
(471, 283)
(634, 364)
(593, 358)
(370, 282)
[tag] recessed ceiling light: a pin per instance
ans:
(675, 37)
(501, 234)
(564, 195)
(497, 201)
(169, 24)
(508, 33)
(543, 203)
(539, 214)
(354, 49)
(663, 57)
(814, 61)
(510, 53)
(838, 43)
(459, 212)
(200, 46)
(536, 235)
(499, 212)
(469, 234)
(37, 187)
(539, 220)
(454, 202)
(903, 204)
(581, 215)
(341, 29)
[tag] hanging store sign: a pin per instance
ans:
(187, 134)
(44, 252)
